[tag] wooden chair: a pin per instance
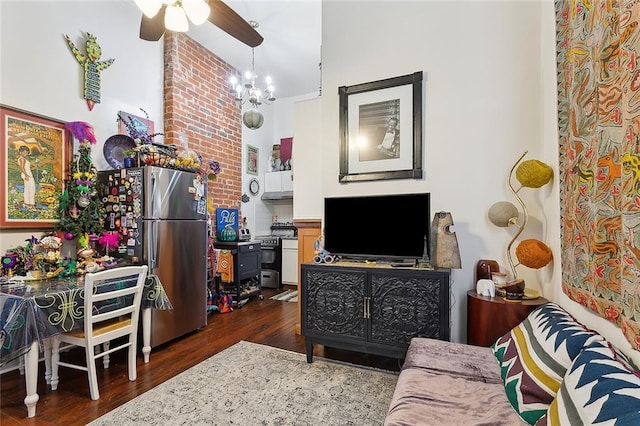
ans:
(111, 304)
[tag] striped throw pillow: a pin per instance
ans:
(598, 388)
(534, 357)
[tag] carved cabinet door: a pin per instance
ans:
(403, 306)
(334, 303)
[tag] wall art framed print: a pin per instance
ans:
(381, 129)
(35, 158)
(252, 160)
(135, 126)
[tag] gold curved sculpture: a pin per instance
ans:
(530, 174)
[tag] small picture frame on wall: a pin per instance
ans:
(35, 154)
(381, 129)
(252, 160)
(133, 125)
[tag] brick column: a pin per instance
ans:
(199, 104)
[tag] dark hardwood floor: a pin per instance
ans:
(269, 322)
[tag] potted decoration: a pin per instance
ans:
(130, 158)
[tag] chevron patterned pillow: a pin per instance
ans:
(534, 357)
(598, 388)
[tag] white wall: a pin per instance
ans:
(307, 169)
(39, 74)
(482, 109)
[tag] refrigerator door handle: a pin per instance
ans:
(152, 243)
(156, 200)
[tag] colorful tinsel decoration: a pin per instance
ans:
(109, 240)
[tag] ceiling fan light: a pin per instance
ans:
(175, 19)
(149, 7)
(197, 10)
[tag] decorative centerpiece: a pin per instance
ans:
(37, 259)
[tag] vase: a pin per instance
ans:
(514, 290)
(228, 234)
(484, 269)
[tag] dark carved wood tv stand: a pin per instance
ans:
(375, 309)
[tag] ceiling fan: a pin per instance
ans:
(159, 15)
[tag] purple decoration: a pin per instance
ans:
(9, 260)
(33, 240)
(82, 131)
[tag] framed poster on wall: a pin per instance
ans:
(36, 151)
(252, 160)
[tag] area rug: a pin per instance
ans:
(286, 296)
(252, 384)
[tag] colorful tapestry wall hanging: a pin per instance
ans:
(597, 45)
(92, 67)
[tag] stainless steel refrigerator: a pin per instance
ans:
(160, 215)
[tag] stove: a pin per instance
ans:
(271, 253)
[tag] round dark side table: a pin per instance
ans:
(489, 318)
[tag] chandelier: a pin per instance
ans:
(175, 17)
(252, 118)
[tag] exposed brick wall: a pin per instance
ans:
(199, 104)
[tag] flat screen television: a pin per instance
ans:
(377, 227)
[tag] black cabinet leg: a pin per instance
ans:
(309, 349)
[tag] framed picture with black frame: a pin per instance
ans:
(381, 129)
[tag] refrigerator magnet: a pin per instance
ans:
(198, 184)
(202, 206)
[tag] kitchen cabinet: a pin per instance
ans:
(278, 181)
(290, 261)
(308, 232)
(373, 309)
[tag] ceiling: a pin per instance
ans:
(290, 52)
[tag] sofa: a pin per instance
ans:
(550, 369)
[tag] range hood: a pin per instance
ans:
(277, 195)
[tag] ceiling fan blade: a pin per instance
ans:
(225, 18)
(151, 29)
